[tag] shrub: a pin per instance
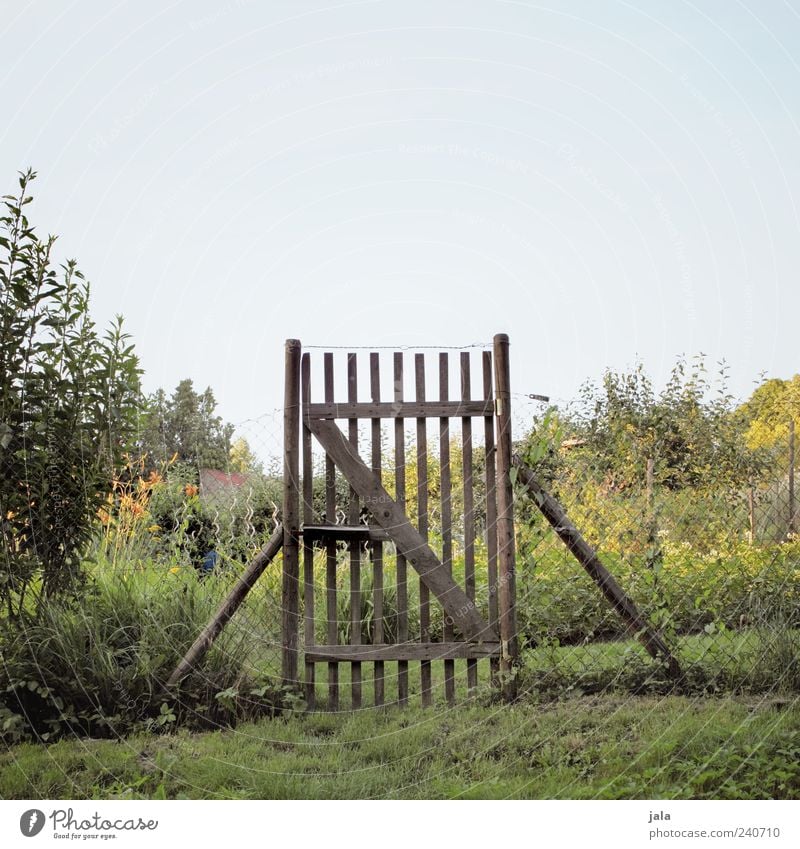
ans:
(69, 398)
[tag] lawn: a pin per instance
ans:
(587, 748)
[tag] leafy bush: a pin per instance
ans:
(691, 591)
(69, 399)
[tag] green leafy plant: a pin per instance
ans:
(69, 400)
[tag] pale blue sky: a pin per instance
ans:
(601, 180)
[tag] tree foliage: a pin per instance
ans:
(688, 430)
(242, 459)
(69, 401)
(766, 414)
(184, 428)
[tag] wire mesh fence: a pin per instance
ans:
(714, 566)
(707, 550)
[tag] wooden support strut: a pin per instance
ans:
(290, 589)
(228, 607)
(506, 554)
(554, 513)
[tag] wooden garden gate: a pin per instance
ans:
(374, 526)
(478, 614)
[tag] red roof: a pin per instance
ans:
(217, 479)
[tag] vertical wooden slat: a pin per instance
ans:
(422, 527)
(447, 513)
(353, 516)
(792, 529)
(505, 517)
(400, 496)
(377, 547)
(290, 617)
(469, 505)
(330, 552)
(491, 505)
(308, 548)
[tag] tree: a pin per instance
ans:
(242, 458)
(185, 429)
(688, 431)
(767, 412)
(69, 401)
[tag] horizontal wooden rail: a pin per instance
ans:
(402, 651)
(398, 409)
(349, 533)
(228, 607)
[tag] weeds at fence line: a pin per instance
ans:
(715, 567)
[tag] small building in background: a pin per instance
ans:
(215, 483)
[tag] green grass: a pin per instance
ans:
(755, 660)
(591, 747)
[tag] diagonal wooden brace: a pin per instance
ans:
(391, 517)
(587, 557)
(229, 606)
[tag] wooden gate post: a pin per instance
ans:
(506, 579)
(290, 595)
(792, 508)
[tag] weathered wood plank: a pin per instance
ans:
(344, 533)
(308, 549)
(388, 513)
(331, 612)
(398, 409)
(426, 680)
(491, 506)
(225, 611)
(505, 518)
(377, 546)
(446, 504)
(469, 503)
(405, 651)
(792, 528)
(585, 555)
(290, 602)
(353, 513)
(400, 493)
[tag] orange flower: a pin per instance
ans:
(191, 490)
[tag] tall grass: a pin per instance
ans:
(98, 667)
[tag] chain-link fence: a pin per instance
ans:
(715, 567)
(713, 564)
(708, 552)
(710, 557)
